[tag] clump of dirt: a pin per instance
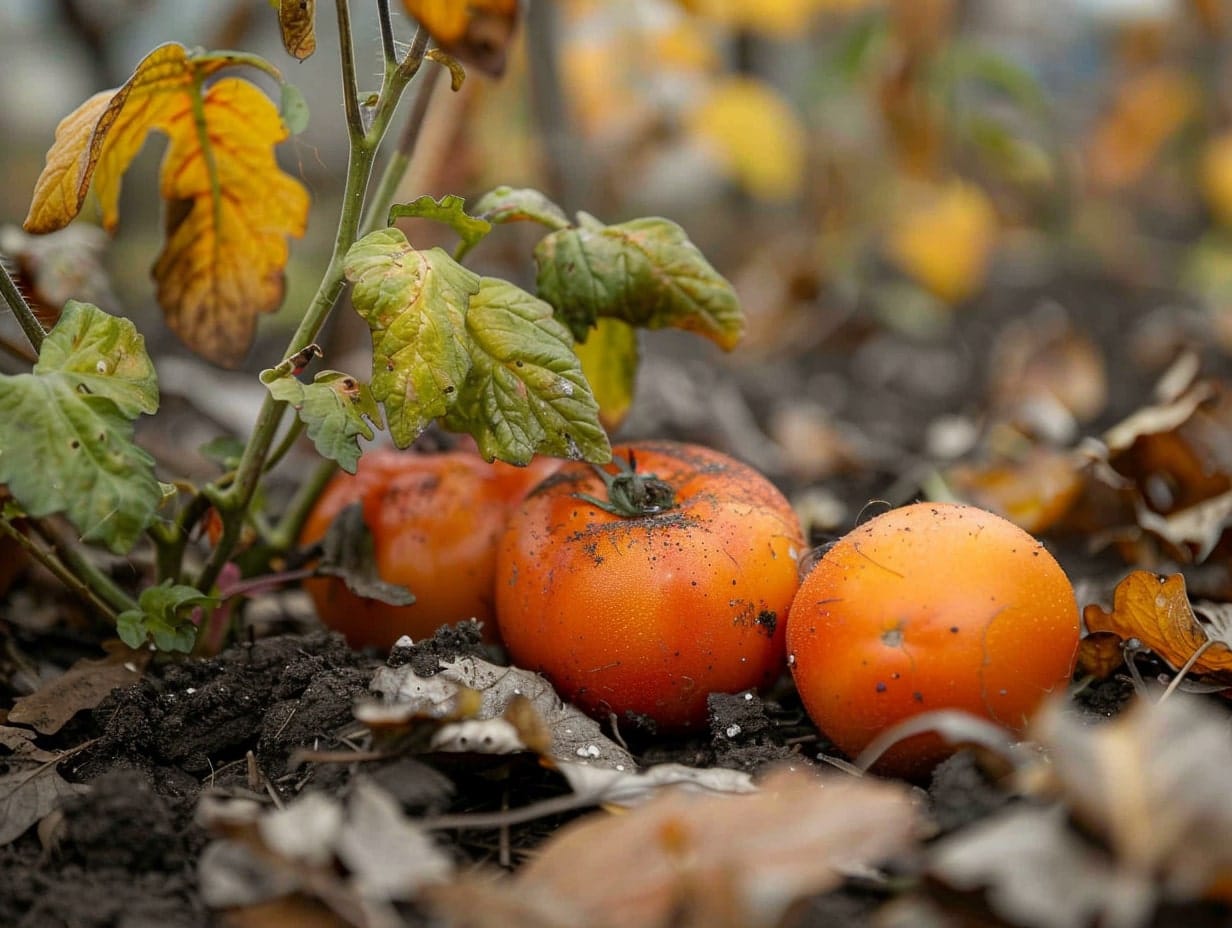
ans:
(124, 853)
(742, 732)
(450, 643)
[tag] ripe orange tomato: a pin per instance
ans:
(931, 606)
(645, 614)
(435, 520)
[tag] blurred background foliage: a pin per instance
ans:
(832, 156)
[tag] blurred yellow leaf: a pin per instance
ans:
(1217, 176)
(609, 359)
(785, 18)
(229, 206)
(1148, 110)
(474, 31)
(944, 240)
(756, 134)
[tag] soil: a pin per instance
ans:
(124, 853)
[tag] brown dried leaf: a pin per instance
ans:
(1100, 654)
(83, 686)
(1153, 784)
(297, 21)
(1156, 610)
(1046, 374)
(1035, 491)
(685, 859)
(28, 795)
(477, 32)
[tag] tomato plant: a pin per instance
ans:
(642, 591)
(474, 354)
(931, 606)
(435, 520)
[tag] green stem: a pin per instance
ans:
(233, 501)
(400, 160)
(387, 35)
(58, 570)
(288, 442)
(287, 532)
(21, 309)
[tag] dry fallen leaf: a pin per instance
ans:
(83, 686)
(230, 208)
(1152, 783)
(692, 860)
(1035, 491)
(1100, 654)
(1156, 611)
(1149, 789)
(29, 793)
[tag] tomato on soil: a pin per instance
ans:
(435, 520)
(645, 615)
(931, 606)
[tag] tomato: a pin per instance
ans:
(435, 520)
(644, 614)
(931, 606)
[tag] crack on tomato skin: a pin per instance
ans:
(986, 662)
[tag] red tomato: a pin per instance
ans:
(645, 615)
(931, 606)
(435, 520)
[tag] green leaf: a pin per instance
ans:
(104, 356)
(526, 393)
(164, 615)
(335, 407)
(520, 204)
(293, 109)
(645, 272)
(66, 435)
(609, 359)
(967, 61)
(415, 305)
(449, 210)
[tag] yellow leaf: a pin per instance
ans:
(223, 260)
(103, 135)
(1149, 110)
(1217, 176)
(782, 18)
(944, 241)
(609, 359)
(756, 134)
(474, 31)
(229, 207)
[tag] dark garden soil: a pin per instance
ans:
(124, 853)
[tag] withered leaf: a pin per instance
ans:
(83, 686)
(1156, 610)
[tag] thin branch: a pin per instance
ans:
(400, 160)
(72, 557)
(58, 569)
(287, 531)
(21, 309)
(350, 83)
(387, 35)
(414, 56)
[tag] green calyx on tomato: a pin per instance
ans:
(631, 494)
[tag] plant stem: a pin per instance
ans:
(400, 160)
(296, 513)
(288, 442)
(387, 35)
(21, 309)
(70, 555)
(233, 501)
(58, 570)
